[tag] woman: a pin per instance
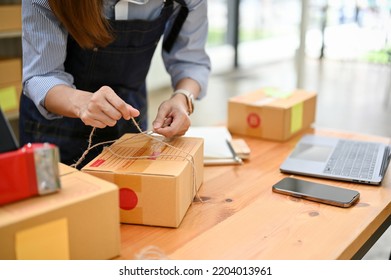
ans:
(85, 65)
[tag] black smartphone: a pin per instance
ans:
(317, 192)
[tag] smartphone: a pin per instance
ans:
(317, 192)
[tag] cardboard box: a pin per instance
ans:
(10, 96)
(271, 113)
(10, 17)
(10, 70)
(79, 222)
(157, 182)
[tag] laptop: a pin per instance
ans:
(340, 159)
(8, 140)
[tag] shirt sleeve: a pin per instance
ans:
(188, 57)
(44, 43)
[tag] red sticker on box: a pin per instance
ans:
(97, 163)
(253, 120)
(154, 155)
(127, 199)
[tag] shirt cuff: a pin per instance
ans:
(198, 74)
(37, 88)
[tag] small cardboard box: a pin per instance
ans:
(10, 96)
(10, 17)
(79, 222)
(271, 113)
(157, 180)
(10, 70)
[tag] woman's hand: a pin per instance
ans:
(105, 108)
(172, 117)
(100, 109)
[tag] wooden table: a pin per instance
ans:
(241, 218)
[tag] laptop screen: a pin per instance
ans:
(8, 140)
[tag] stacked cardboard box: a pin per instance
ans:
(10, 83)
(10, 18)
(79, 222)
(10, 68)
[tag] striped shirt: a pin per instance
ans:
(44, 42)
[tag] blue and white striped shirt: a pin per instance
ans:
(44, 42)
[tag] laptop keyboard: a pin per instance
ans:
(354, 159)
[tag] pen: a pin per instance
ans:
(235, 156)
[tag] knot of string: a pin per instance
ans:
(148, 134)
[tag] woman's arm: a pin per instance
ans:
(188, 57)
(46, 82)
(44, 44)
(189, 67)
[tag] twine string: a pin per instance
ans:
(148, 134)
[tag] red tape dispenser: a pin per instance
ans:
(29, 171)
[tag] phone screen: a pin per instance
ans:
(317, 192)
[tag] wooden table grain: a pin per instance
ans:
(241, 218)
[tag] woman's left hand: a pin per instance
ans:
(172, 117)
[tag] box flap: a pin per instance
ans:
(65, 169)
(145, 154)
(76, 186)
(296, 97)
(270, 97)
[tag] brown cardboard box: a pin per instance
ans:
(10, 70)
(9, 96)
(158, 188)
(79, 222)
(271, 113)
(10, 17)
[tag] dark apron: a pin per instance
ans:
(123, 65)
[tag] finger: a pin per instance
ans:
(170, 132)
(118, 108)
(101, 104)
(167, 122)
(97, 119)
(133, 112)
(161, 121)
(165, 131)
(95, 123)
(104, 120)
(123, 109)
(178, 127)
(110, 112)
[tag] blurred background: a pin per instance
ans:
(340, 49)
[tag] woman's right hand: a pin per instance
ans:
(100, 109)
(105, 108)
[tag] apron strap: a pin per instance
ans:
(176, 27)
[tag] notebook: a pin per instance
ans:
(339, 159)
(218, 148)
(8, 140)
